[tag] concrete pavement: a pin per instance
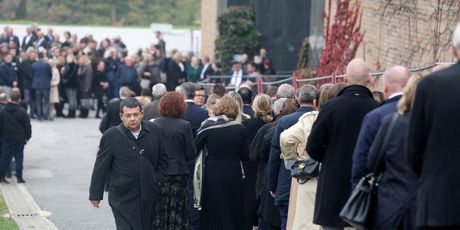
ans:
(58, 162)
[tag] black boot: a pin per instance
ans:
(71, 114)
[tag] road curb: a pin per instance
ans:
(23, 208)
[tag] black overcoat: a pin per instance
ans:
(134, 178)
(331, 142)
(434, 147)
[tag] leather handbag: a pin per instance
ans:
(359, 208)
(304, 170)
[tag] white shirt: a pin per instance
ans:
(205, 67)
(136, 134)
(395, 95)
(236, 78)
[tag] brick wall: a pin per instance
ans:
(403, 31)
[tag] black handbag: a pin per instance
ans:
(304, 170)
(359, 208)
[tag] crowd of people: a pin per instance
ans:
(52, 71)
(175, 156)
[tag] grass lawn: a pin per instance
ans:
(6, 222)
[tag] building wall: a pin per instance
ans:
(210, 10)
(406, 32)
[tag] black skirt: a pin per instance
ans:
(171, 211)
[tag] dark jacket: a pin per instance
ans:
(127, 76)
(151, 110)
(279, 178)
(259, 151)
(331, 142)
(7, 74)
(113, 114)
(15, 123)
(30, 43)
(370, 126)
(195, 115)
(433, 147)
(180, 144)
(85, 78)
(250, 169)
(134, 175)
(174, 74)
(69, 78)
(397, 185)
(248, 110)
(41, 72)
(96, 87)
(26, 74)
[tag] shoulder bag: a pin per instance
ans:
(358, 210)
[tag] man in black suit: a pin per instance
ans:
(246, 95)
(12, 37)
(433, 146)
(194, 114)
(41, 41)
(207, 70)
(132, 156)
(160, 42)
(15, 132)
(28, 40)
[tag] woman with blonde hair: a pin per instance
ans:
(241, 116)
(395, 206)
(222, 144)
(262, 106)
(54, 91)
(70, 83)
(85, 78)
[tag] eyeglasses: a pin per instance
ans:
(199, 95)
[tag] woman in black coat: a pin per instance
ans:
(259, 151)
(226, 141)
(171, 209)
(262, 107)
(70, 83)
(395, 207)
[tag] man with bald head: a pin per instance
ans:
(332, 141)
(394, 81)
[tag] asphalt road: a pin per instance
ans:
(58, 163)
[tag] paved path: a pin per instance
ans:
(58, 163)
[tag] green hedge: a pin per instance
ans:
(237, 35)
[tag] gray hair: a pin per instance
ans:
(278, 105)
(285, 91)
(158, 90)
(307, 94)
(456, 38)
(187, 89)
(125, 92)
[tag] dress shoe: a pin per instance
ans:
(20, 181)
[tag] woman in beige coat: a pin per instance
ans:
(54, 92)
(293, 142)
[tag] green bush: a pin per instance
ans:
(237, 35)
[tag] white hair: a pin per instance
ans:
(158, 90)
(456, 38)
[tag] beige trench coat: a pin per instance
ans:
(54, 92)
(302, 197)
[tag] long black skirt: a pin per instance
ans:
(171, 210)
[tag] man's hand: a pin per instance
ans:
(95, 203)
(272, 194)
(15, 84)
